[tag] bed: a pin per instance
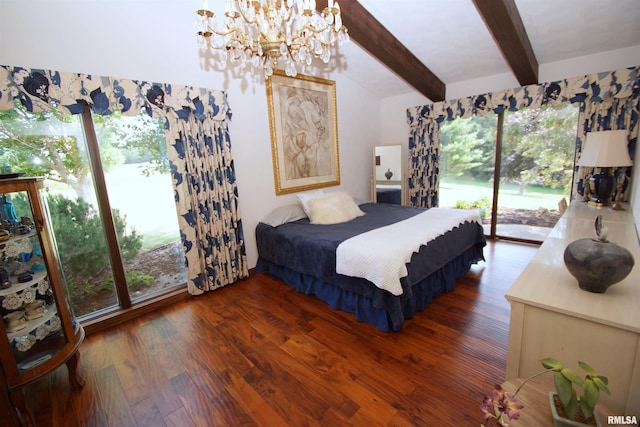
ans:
(309, 257)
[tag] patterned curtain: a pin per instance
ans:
(424, 156)
(199, 154)
(208, 204)
(614, 94)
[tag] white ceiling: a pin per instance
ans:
(451, 39)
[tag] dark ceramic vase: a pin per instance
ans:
(597, 264)
(388, 174)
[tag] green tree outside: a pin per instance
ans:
(49, 144)
(534, 147)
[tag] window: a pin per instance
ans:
(111, 201)
(517, 199)
(467, 163)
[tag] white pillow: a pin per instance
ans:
(334, 208)
(284, 214)
(304, 198)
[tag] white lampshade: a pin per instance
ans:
(605, 149)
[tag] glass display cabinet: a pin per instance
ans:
(40, 331)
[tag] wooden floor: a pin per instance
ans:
(259, 353)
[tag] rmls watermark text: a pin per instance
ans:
(622, 419)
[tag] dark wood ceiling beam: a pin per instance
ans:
(372, 36)
(505, 24)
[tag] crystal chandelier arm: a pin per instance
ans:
(326, 26)
(205, 15)
(242, 9)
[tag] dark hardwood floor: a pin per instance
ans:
(259, 353)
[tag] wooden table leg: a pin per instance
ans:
(75, 380)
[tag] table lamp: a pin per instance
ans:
(604, 150)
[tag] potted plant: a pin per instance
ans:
(577, 411)
(567, 409)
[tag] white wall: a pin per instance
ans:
(155, 41)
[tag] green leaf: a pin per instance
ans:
(572, 376)
(563, 388)
(601, 383)
(591, 394)
(551, 363)
(571, 408)
(588, 369)
(587, 410)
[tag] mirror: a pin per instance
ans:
(388, 175)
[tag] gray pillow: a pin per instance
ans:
(284, 214)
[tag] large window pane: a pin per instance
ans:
(538, 148)
(52, 145)
(467, 159)
(134, 157)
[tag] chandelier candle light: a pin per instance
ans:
(264, 31)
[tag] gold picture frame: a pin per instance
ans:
(304, 132)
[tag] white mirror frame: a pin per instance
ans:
(390, 158)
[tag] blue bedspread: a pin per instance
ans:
(303, 251)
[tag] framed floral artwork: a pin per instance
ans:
(304, 132)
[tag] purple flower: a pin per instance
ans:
(511, 407)
(487, 408)
(505, 405)
(498, 392)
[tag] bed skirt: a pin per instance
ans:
(386, 317)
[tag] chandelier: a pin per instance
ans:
(263, 32)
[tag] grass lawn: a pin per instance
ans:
(453, 190)
(146, 202)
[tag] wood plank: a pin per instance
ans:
(113, 399)
(259, 353)
(208, 409)
(125, 363)
(146, 414)
(62, 400)
(179, 418)
(153, 374)
(83, 405)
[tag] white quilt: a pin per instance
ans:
(381, 255)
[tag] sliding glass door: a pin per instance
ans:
(514, 168)
(536, 170)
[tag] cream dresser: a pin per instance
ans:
(552, 317)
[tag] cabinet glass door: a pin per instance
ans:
(29, 311)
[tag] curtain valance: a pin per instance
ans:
(39, 90)
(623, 83)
